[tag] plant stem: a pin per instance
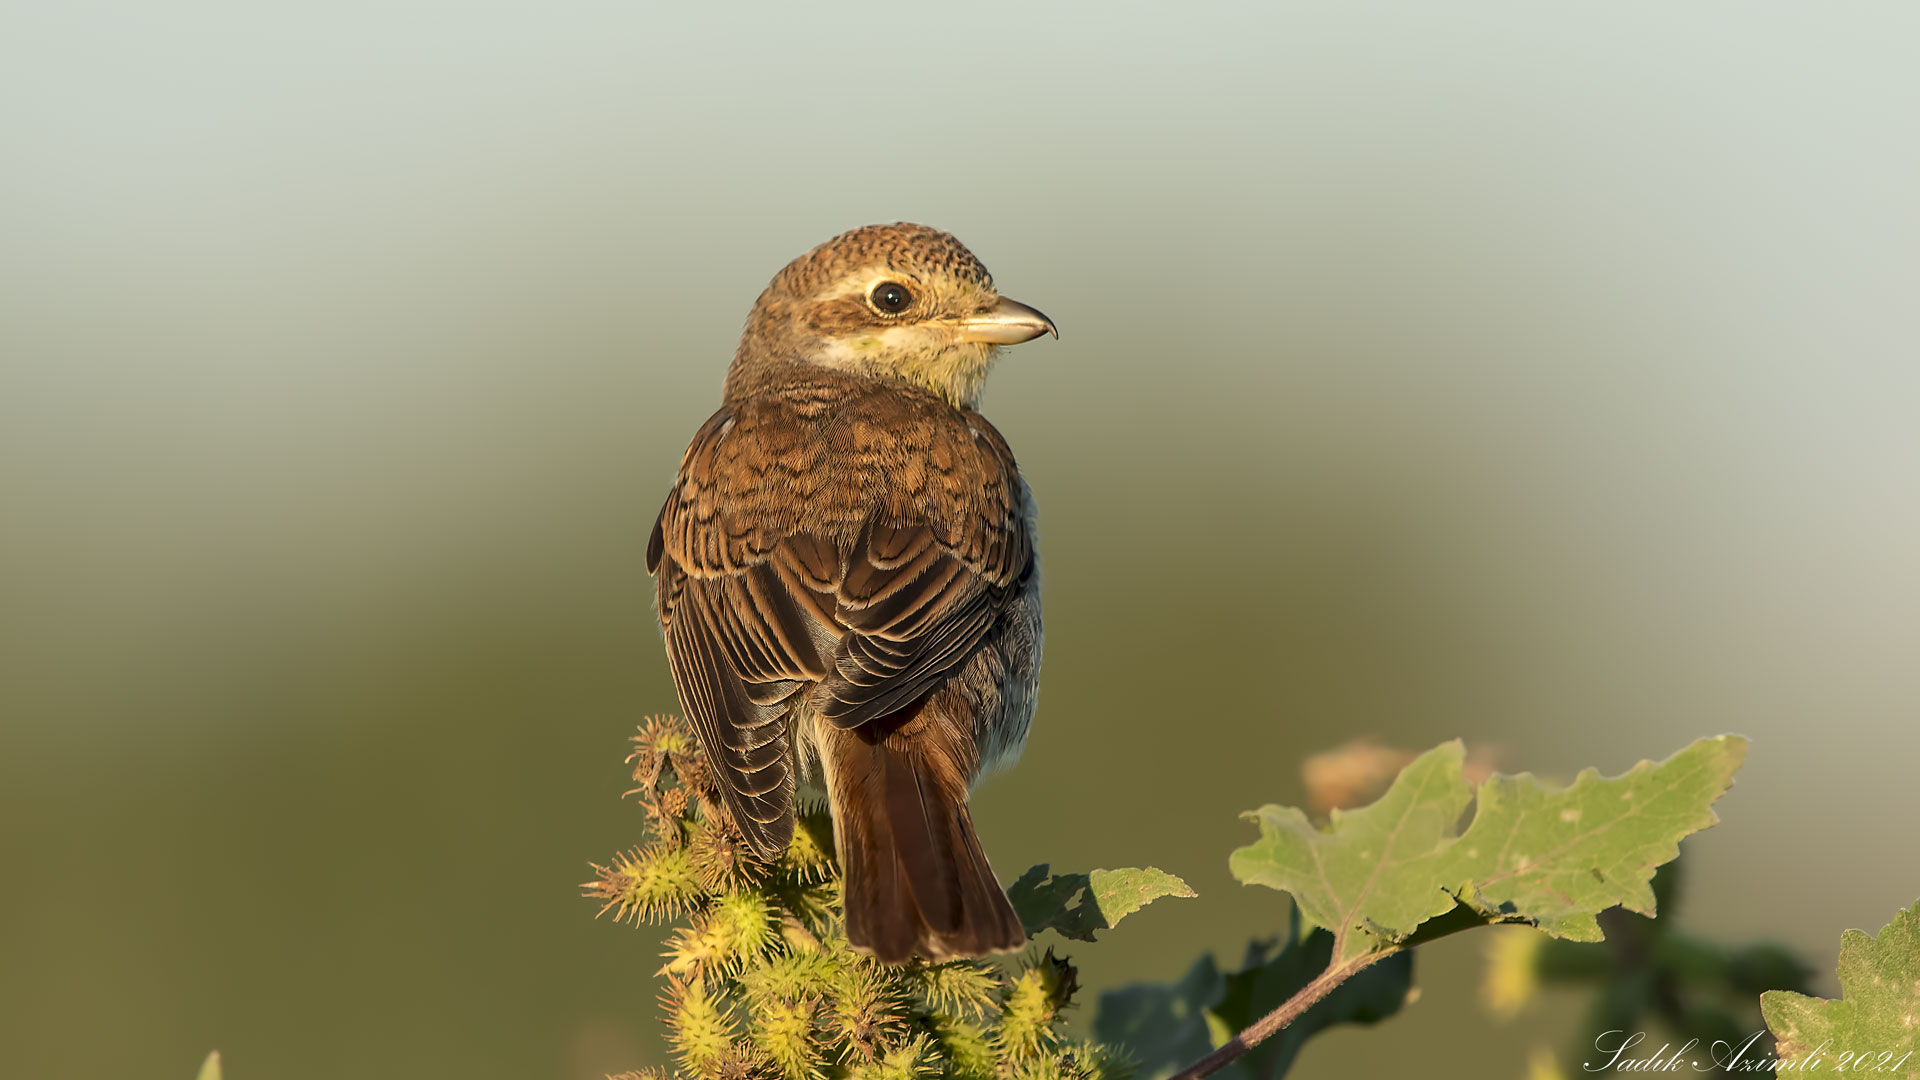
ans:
(1276, 1021)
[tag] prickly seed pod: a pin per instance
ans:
(961, 987)
(660, 737)
(866, 1011)
(791, 976)
(1027, 1013)
(748, 922)
(700, 1026)
(652, 883)
(736, 930)
(783, 1033)
(722, 859)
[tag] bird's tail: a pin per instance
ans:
(916, 879)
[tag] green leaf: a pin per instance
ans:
(210, 1069)
(1875, 1026)
(1553, 857)
(1078, 904)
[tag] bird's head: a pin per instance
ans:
(895, 301)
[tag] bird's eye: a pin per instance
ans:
(890, 298)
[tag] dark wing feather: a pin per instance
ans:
(909, 626)
(741, 725)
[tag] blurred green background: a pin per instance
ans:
(1539, 374)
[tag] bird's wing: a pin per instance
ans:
(863, 596)
(913, 610)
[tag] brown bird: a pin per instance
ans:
(846, 577)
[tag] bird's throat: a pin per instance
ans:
(956, 374)
(954, 371)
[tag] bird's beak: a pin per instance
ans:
(1008, 322)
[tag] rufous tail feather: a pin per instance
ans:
(916, 880)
